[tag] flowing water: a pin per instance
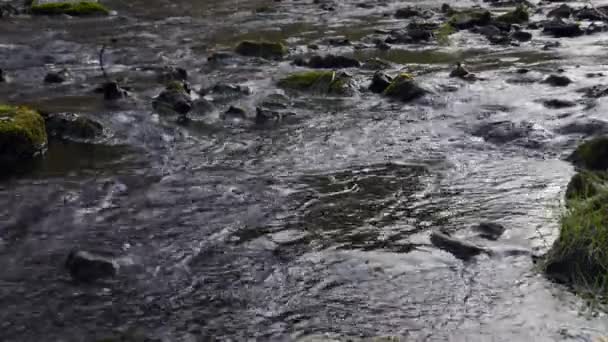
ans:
(320, 225)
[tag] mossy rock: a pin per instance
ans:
(467, 19)
(519, 15)
(73, 8)
(592, 154)
(327, 82)
(585, 184)
(404, 88)
(579, 256)
(72, 126)
(22, 134)
(263, 49)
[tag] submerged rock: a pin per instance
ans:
(56, 76)
(592, 154)
(587, 127)
(72, 126)
(380, 82)
(3, 78)
(263, 49)
(175, 98)
(517, 16)
(490, 230)
(234, 113)
(112, 91)
(69, 7)
(172, 74)
(559, 28)
(332, 62)
(22, 134)
(502, 132)
(404, 88)
(267, 116)
(557, 80)
(461, 72)
(563, 11)
(558, 104)
(521, 36)
(460, 249)
(467, 19)
(87, 267)
(327, 82)
(407, 12)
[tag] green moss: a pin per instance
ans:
(263, 49)
(320, 81)
(22, 133)
(517, 16)
(585, 184)
(176, 86)
(592, 154)
(442, 34)
(82, 8)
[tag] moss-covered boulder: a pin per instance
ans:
(174, 99)
(519, 15)
(22, 134)
(592, 154)
(324, 82)
(72, 126)
(585, 184)
(263, 49)
(404, 88)
(470, 18)
(69, 7)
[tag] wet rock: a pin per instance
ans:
(591, 155)
(380, 82)
(502, 132)
(220, 57)
(404, 88)
(324, 82)
(332, 62)
(262, 49)
(517, 16)
(8, 10)
(338, 41)
(68, 7)
(174, 98)
(22, 134)
(490, 230)
(226, 92)
(559, 28)
(376, 64)
(234, 113)
(558, 104)
(3, 78)
(172, 74)
(72, 126)
(595, 28)
(487, 30)
(56, 76)
(594, 92)
(521, 36)
(410, 36)
(587, 127)
(584, 184)
(87, 267)
(461, 72)
(407, 12)
(501, 39)
(273, 117)
(563, 11)
(275, 102)
(592, 14)
(112, 91)
(467, 19)
(460, 249)
(557, 81)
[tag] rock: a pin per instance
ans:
(69, 7)
(275, 102)
(171, 74)
(502, 132)
(262, 49)
(3, 78)
(501, 39)
(583, 185)
(591, 155)
(112, 91)
(234, 113)
(22, 134)
(404, 88)
(380, 82)
(460, 249)
(338, 41)
(586, 13)
(266, 116)
(517, 16)
(521, 36)
(490, 230)
(594, 92)
(467, 19)
(226, 92)
(332, 62)
(407, 12)
(563, 11)
(72, 126)
(413, 35)
(587, 128)
(559, 28)
(462, 73)
(174, 98)
(8, 10)
(558, 104)
(56, 76)
(376, 64)
(557, 80)
(325, 82)
(487, 30)
(87, 267)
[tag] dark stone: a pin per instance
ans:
(594, 92)
(112, 91)
(461, 72)
(174, 98)
(380, 82)
(558, 104)
(557, 81)
(559, 28)
(500, 39)
(376, 64)
(56, 76)
(487, 30)
(8, 10)
(338, 41)
(87, 267)
(563, 11)
(405, 89)
(502, 132)
(407, 12)
(262, 49)
(591, 155)
(3, 78)
(266, 116)
(170, 74)
(410, 36)
(72, 126)
(490, 230)
(460, 249)
(469, 19)
(586, 13)
(235, 113)
(521, 36)
(332, 62)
